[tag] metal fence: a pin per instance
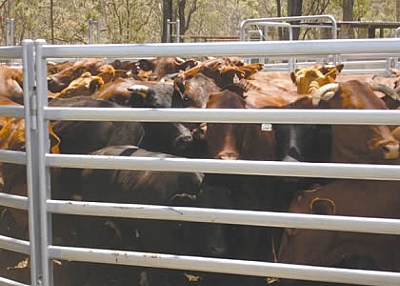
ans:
(38, 161)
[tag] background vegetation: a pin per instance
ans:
(139, 21)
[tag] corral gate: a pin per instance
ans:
(38, 160)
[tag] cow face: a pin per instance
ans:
(53, 68)
(356, 143)
(307, 246)
(310, 79)
(192, 92)
(57, 82)
(162, 66)
(86, 84)
(225, 140)
(303, 142)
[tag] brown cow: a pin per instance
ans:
(53, 68)
(11, 84)
(117, 91)
(12, 137)
(357, 143)
(96, 66)
(86, 84)
(192, 87)
(162, 66)
(345, 249)
(308, 80)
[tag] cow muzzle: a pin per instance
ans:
(390, 151)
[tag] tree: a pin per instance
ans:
(348, 15)
(398, 10)
(295, 8)
(167, 14)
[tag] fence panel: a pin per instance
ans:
(39, 160)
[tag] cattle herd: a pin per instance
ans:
(225, 82)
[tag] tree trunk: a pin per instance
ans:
(398, 10)
(347, 32)
(52, 22)
(182, 19)
(167, 14)
(279, 14)
(295, 8)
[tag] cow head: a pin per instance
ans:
(305, 246)
(310, 79)
(53, 68)
(86, 84)
(11, 84)
(162, 66)
(192, 92)
(357, 143)
(57, 82)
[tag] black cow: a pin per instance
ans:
(137, 187)
(86, 136)
(158, 95)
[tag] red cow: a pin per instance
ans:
(96, 66)
(162, 66)
(357, 143)
(360, 198)
(53, 68)
(86, 84)
(11, 84)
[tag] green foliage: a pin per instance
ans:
(138, 21)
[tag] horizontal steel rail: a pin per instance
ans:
(238, 217)
(375, 117)
(12, 111)
(13, 244)
(13, 201)
(10, 52)
(270, 49)
(264, 269)
(16, 157)
(8, 282)
(245, 167)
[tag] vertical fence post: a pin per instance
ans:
(90, 31)
(43, 171)
(178, 31)
(98, 29)
(31, 136)
(168, 31)
(10, 32)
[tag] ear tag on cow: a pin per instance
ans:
(266, 127)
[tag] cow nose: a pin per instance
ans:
(390, 151)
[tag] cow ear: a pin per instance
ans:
(323, 206)
(146, 65)
(293, 77)
(117, 64)
(339, 67)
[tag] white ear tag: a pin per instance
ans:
(266, 126)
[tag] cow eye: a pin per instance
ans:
(186, 98)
